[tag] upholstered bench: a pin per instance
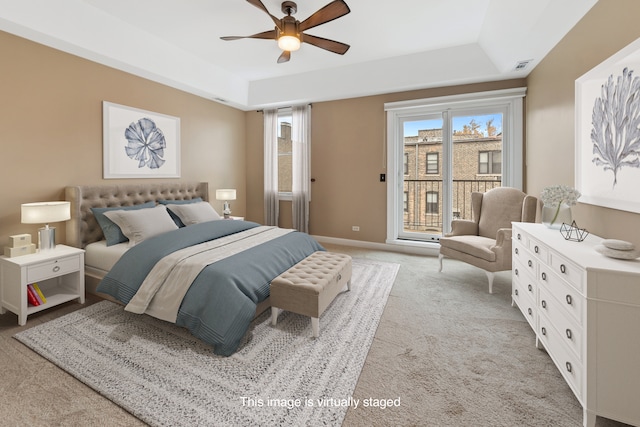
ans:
(308, 287)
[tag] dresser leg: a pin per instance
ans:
(539, 345)
(588, 418)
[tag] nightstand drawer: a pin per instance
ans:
(54, 268)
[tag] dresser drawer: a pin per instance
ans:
(539, 250)
(525, 263)
(55, 268)
(568, 296)
(567, 328)
(567, 270)
(526, 277)
(526, 305)
(520, 237)
(566, 362)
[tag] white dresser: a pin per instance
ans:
(585, 311)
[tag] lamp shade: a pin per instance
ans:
(226, 194)
(290, 43)
(45, 212)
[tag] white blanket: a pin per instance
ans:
(162, 291)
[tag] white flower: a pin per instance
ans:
(556, 194)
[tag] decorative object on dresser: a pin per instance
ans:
(20, 244)
(573, 232)
(226, 194)
(585, 311)
(618, 249)
(557, 200)
(485, 242)
(44, 213)
(58, 274)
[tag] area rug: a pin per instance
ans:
(280, 375)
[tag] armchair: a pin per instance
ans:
(485, 241)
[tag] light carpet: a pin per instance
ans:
(279, 376)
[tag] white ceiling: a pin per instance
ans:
(395, 46)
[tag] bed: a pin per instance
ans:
(210, 276)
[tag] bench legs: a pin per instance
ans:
(315, 321)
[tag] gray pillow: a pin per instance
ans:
(194, 213)
(112, 233)
(175, 217)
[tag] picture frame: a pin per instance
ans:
(139, 143)
(607, 132)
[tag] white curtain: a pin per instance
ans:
(301, 166)
(271, 202)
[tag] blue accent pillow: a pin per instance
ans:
(112, 233)
(175, 217)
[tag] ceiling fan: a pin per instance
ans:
(289, 32)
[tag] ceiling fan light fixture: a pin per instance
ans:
(289, 43)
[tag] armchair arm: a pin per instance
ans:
(503, 239)
(463, 227)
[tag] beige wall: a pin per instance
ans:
(607, 28)
(51, 129)
(347, 157)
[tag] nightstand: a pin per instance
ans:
(58, 272)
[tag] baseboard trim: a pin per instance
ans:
(410, 247)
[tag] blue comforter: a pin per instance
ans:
(221, 301)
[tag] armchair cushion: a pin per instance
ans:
(476, 246)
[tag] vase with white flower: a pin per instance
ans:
(558, 200)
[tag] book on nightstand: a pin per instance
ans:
(31, 296)
(39, 292)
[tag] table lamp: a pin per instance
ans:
(44, 213)
(226, 194)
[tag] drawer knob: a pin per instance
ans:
(569, 300)
(516, 251)
(563, 269)
(519, 237)
(544, 304)
(516, 271)
(530, 287)
(536, 249)
(516, 292)
(544, 331)
(544, 276)
(529, 311)
(530, 263)
(569, 334)
(56, 268)
(569, 367)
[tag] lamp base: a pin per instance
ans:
(46, 238)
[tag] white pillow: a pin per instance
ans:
(139, 225)
(194, 213)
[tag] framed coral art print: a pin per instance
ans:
(607, 135)
(139, 143)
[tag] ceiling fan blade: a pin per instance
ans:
(284, 57)
(322, 43)
(332, 11)
(271, 35)
(261, 6)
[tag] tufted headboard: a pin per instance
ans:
(83, 228)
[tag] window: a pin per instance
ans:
(432, 202)
(432, 163)
(406, 163)
(284, 151)
(490, 162)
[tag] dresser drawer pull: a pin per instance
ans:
(519, 237)
(530, 263)
(544, 304)
(544, 276)
(516, 271)
(569, 334)
(569, 368)
(544, 331)
(530, 287)
(516, 292)
(516, 251)
(529, 311)
(569, 300)
(536, 249)
(563, 269)
(56, 268)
